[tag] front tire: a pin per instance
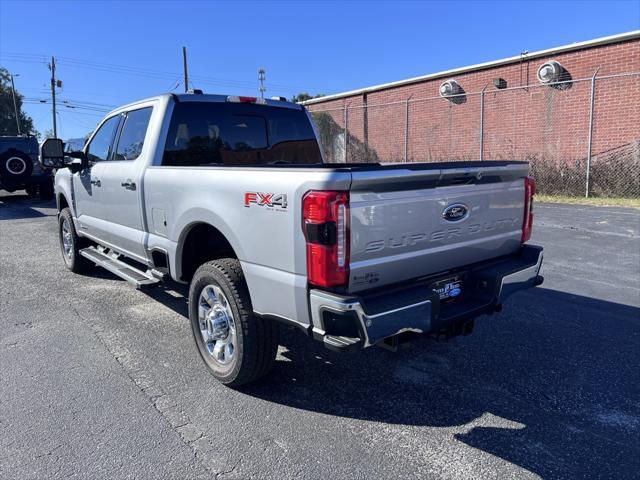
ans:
(237, 346)
(71, 244)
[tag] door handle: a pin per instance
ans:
(96, 182)
(129, 185)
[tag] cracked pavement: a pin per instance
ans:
(98, 380)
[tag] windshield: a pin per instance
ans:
(213, 133)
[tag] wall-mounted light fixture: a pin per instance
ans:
(450, 88)
(550, 72)
(499, 83)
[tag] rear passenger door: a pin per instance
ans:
(122, 181)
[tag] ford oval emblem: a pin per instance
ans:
(455, 212)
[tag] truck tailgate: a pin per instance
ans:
(398, 226)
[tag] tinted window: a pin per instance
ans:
(209, 133)
(27, 145)
(132, 134)
(100, 145)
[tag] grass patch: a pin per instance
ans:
(598, 201)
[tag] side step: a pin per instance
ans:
(110, 261)
(341, 344)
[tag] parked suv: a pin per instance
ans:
(230, 194)
(20, 168)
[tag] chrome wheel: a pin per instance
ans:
(67, 239)
(217, 326)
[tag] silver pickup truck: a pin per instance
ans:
(230, 194)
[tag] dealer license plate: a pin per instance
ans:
(449, 289)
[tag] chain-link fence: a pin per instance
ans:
(581, 137)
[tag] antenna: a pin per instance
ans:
(261, 77)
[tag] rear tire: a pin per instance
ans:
(237, 346)
(71, 244)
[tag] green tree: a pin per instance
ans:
(7, 112)
(301, 97)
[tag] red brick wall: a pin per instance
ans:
(523, 123)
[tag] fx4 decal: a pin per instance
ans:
(273, 200)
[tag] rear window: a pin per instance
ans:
(28, 145)
(132, 135)
(209, 133)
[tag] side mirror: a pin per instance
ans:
(52, 153)
(76, 161)
(75, 165)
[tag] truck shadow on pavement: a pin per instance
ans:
(17, 206)
(551, 385)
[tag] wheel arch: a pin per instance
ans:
(200, 242)
(62, 202)
(63, 190)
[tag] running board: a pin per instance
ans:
(136, 277)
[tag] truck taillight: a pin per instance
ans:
(325, 222)
(527, 222)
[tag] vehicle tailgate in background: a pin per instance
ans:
(398, 225)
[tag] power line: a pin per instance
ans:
(41, 101)
(93, 104)
(150, 73)
(67, 105)
(122, 99)
(78, 122)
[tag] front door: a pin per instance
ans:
(87, 184)
(121, 185)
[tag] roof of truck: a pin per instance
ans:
(206, 97)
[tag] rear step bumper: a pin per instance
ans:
(350, 322)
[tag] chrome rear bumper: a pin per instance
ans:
(362, 321)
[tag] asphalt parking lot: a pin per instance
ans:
(98, 380)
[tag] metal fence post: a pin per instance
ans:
(590, 141)
(482, 122)
(406, 129)
(346, 131)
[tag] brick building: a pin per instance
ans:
(504, 111)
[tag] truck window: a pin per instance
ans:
(216, 133)
(132, 134)
(100, 145)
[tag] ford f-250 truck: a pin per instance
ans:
(231, 195)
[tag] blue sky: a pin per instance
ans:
(319, 47)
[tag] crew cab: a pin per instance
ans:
(231, 195)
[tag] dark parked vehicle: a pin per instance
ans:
(20, 168)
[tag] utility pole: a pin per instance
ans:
(186, 74)
(261, 77)
(52, 67)
(15, 105)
